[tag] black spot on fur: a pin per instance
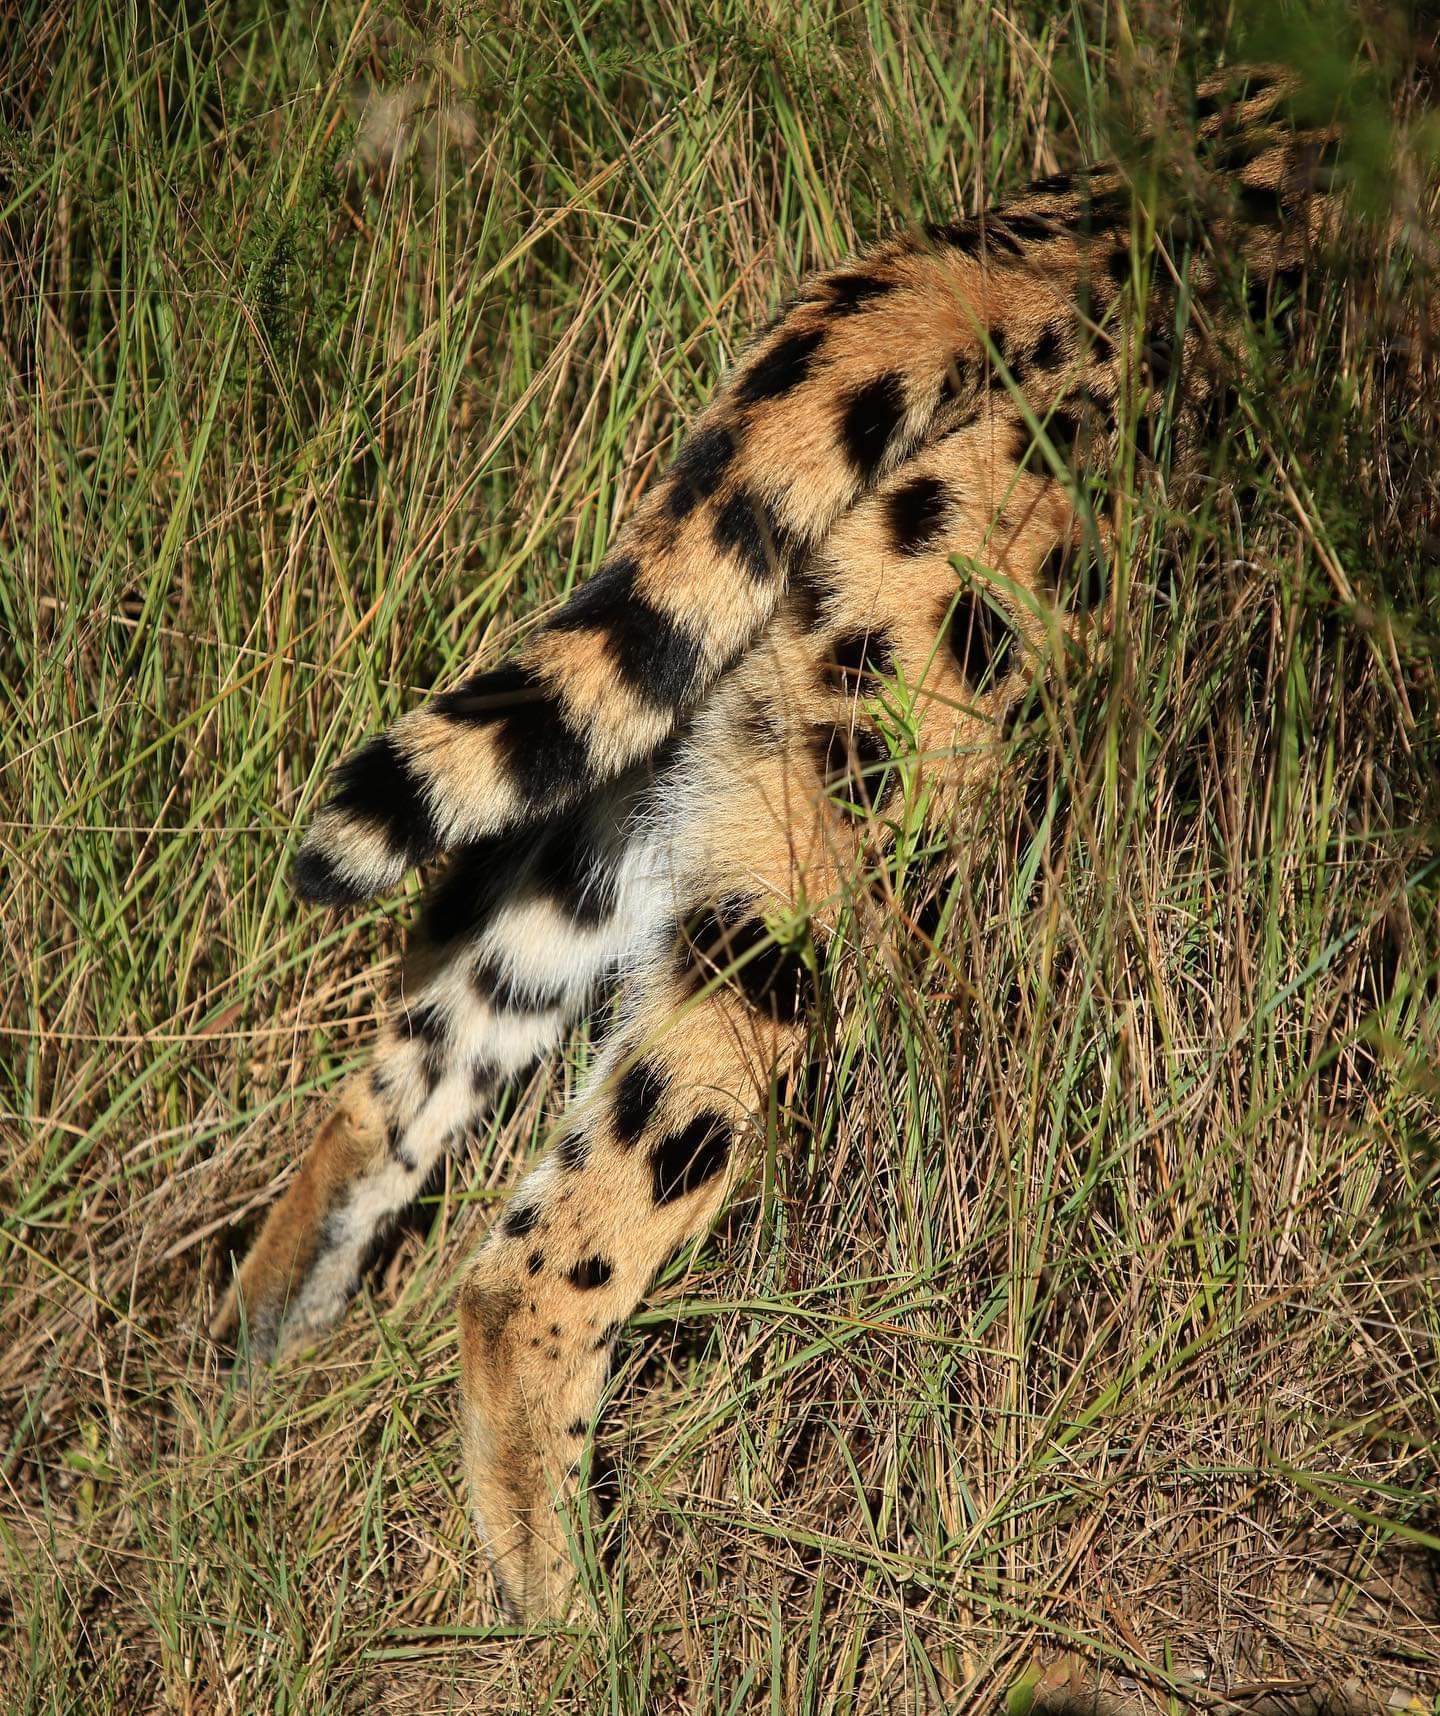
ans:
(1048, 352)
(1105, 211)
(395, 1147)
(961, 235)
(1098, 342)
(745, 527)
(915, 513)
(1062, 428)
(757, 725)
(572, 1153)
(805, 598)
(730, 941)
(1050, 574)
(657, 659)
(1117, 265)
(980, 640)
(509, 994)
(534, 1263)
(596, 604)
(1233, 152)
(975, 237)
(589, 1273)
(1158, 355)
(684, 1161)
(316, 880)
(636, 1097)
(520, 1219)
(538, 750)
(425, 1025)
(781, 369)
(698, 470)
(869, 421)
(606, 1336)
(856, 759)
(962, 378)
(1055, 183)
(855, 660)
(376, 785)
(856, 291)
(491, 696)
(478, 877)
(1030, 228)
(1072, 573)
(576, 1428)
(998, 235)
(576, 868)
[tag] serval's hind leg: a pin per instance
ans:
(714, 1009)
(514, 940)
(645, 1168)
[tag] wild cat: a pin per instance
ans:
(881, 529)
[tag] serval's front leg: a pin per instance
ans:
(644, 1167)
(515, 938)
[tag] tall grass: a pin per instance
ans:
(1079, 1328)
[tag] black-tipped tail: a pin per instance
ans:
(316, 880)
(375, 825)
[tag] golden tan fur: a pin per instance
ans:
(290, 1237)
